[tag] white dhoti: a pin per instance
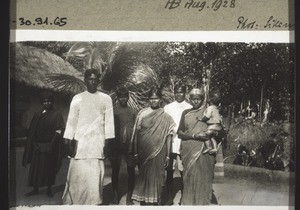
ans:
(84, 185)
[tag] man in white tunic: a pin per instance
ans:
(91, 123)
(175, 110)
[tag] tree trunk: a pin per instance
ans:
(261, 102)
(207, 85)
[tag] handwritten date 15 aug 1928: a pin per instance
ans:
(271, 23)
(213, 5)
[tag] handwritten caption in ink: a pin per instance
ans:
(39, 21)
(213, 5)
(245, 23)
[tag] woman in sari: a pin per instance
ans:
(152, 136)
(43, 149)
(198, 167)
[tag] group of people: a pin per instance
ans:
(156, 139)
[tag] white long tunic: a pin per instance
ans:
(90, 122)
(175, 110)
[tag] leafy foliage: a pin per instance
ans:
(242, 71)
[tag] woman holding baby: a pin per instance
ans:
(198, 166)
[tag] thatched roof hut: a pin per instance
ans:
(32, 70)
(34, 67)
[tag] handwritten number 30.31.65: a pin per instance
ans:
(58, 21)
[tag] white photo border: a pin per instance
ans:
(153, 36)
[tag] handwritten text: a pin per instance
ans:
(39, 21)
(200, 5)
(245, 23)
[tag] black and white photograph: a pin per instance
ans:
(152, 123)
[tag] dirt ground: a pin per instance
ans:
(228, 191)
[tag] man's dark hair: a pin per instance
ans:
(179, 87)
(46, 94)
(157, 90)
(215, 97)
(89, 72)
(122, 92)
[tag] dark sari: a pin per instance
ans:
(151, 138)
(198, 170)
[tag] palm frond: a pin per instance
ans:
(123, 57)
(111, 56)
(141, 74)
(139, 84)
(66, 83)
(137, 100)
(95, 61)
(120, 65)
(80, 50)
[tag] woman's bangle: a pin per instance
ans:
(193, 136)
(168, 158)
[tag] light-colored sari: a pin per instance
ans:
(198, 170)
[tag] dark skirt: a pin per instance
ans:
(42, 170)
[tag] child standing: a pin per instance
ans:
(212, 117)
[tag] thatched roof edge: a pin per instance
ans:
(30, 66)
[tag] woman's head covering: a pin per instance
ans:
(197, 91)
